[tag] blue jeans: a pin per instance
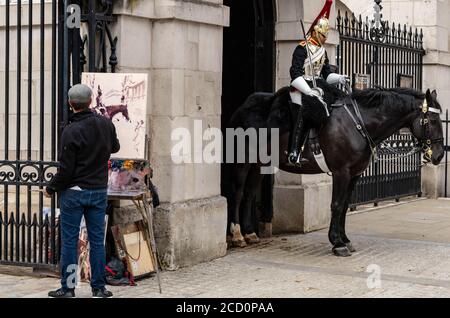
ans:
(74, 204)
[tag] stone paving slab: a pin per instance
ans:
(301, 266)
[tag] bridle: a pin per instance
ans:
(426, 142)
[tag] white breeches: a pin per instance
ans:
(296, 97)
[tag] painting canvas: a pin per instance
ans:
(84, 266)
(122, 98)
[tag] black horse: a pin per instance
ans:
(347, 152)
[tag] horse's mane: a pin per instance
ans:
(391, 97)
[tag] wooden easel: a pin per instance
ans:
(141, 201)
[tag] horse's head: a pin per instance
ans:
(125, 113)
(427, 128)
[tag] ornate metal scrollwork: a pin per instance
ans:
(399, 144)
(7, 171)
(31, 173)
(46, 175)
(29, 176)
(98, 17)
(378, 26)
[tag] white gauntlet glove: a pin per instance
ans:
(300, 84)
(334, 79)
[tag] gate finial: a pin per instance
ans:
(377, 29)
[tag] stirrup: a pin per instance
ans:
(298, 162)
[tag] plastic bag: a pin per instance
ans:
(117, 274)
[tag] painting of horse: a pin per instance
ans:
(122, 98)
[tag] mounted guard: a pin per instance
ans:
(309, 62)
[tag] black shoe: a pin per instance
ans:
(62, 293)
(101, 293)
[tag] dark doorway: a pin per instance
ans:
(248, 67)
(248, 54)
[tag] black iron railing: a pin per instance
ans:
(396, 173)
(28, 227)
(445, 123)
(34, 118)
(375, 53)
(391, 59)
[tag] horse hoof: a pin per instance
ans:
(252, 238)
(239, 243)
(350, 247)
(342, 251)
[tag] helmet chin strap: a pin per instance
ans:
(316, 38)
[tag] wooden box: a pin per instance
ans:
(133, 246)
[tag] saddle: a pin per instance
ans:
(313, 139)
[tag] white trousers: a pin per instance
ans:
(296, 97)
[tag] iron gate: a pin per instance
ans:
(374, 53)
(42, 58)
(28, 231)
(446, 122)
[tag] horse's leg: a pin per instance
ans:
(239, 178)
(265, 221)
(344, 237)
(341, 182)
(252, 186)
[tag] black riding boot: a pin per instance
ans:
(297, 141)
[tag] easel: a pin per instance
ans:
(147, 218)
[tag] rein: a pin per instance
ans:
(425, 142)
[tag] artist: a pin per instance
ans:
(81, 183)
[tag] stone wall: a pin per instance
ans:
(179, 44)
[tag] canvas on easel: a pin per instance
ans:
(122, 98)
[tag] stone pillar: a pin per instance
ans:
(435, 25)
(433, 181)
(179, 44)
(301, 202)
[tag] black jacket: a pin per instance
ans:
(298, 63)
(86, 146)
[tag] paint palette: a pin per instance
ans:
(128, 176)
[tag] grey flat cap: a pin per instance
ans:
(80, 94)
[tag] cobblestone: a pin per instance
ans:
(291, 266)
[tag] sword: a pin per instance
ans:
(309, 55)
(312, 69)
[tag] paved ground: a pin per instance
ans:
(407, 245)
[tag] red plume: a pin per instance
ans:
(325, 12)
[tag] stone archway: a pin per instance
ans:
(248, 67)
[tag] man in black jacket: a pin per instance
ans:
(81, 183)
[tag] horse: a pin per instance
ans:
(111, 111)
(347, 153)
(114, 110)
